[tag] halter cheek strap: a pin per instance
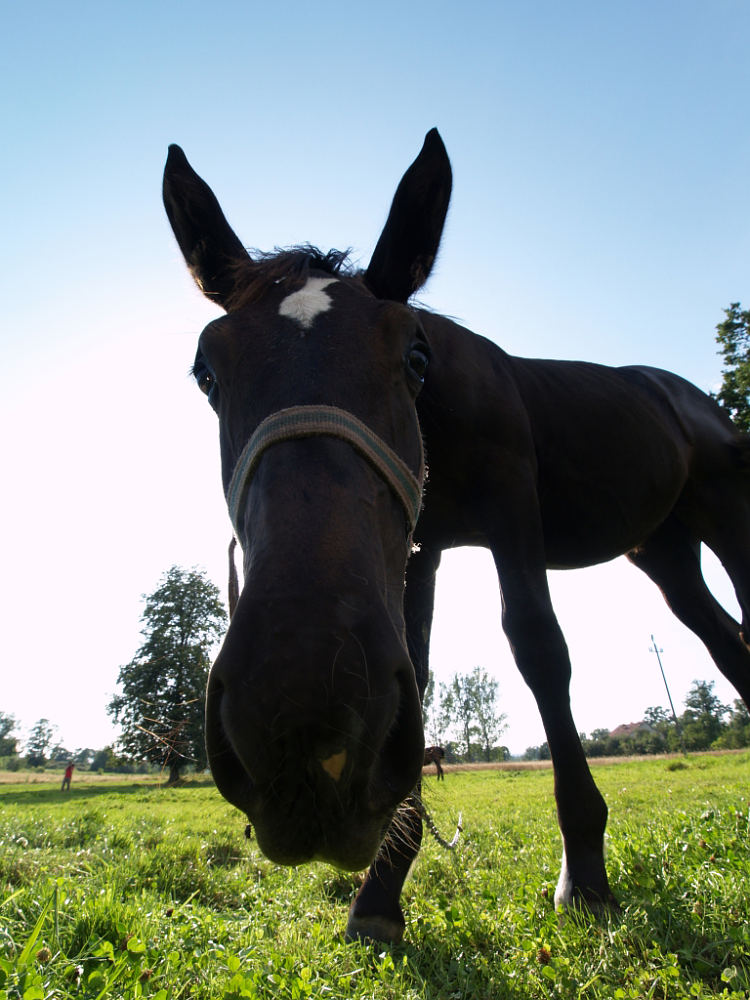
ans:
(311, 421)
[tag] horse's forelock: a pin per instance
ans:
(255, 274)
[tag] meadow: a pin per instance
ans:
(127, 888)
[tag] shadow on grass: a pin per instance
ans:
(34, 794)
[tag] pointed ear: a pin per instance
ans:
(208, 244)
(405, 253)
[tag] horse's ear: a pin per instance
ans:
(209, 246)
(405, 252)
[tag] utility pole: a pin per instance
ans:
(655, 649)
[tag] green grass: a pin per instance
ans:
(129, 890)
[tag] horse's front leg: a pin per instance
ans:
(376, 913)
(541, 655)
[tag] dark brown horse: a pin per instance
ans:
(435, 755)
(546, 463)
(313, 375)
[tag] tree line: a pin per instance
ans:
(43, 749)
(706, 724)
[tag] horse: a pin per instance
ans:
(560, 464)
(433, 755)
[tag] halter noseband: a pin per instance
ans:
(311, 421)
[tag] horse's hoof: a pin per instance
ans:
(600, 908)
(374, 929)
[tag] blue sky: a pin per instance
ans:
(600, 211)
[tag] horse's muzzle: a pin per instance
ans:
(314, 734)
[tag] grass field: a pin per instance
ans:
(129, 889)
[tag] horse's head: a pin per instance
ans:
(313, 721)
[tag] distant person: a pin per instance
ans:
(66, 778)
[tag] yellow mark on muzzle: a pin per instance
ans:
(334, 764)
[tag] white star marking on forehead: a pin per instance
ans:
(305, 305)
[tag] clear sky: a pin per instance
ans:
(601, 211)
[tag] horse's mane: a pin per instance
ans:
(254, 275)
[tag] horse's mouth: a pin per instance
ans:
(300, 828)
(349, 845)
(307, 813)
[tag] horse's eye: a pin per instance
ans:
(205, 381)
(417, 360)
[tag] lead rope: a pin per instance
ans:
(449, 845)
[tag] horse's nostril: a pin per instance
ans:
(335, 764)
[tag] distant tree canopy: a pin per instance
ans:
(736, 733)
(160, 708)
(39, 741)
(428, 702)
(733, 338)
(703, 718)
(705, 724)
(468, 713)
(8, 742)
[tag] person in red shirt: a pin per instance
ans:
(66, 779)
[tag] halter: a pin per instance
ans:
(311, 421)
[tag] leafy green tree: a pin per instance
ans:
(656, 715)
(468, 706)
(703, 719)
(60, 755)
(537, 753)
(457, 710)
(38, 742)
(8, 742)
(83, 757)
(733, 337)
(599, 744)
(107, 760)
(431, 715)
(428, 701)
(161, 706)
(736, 734)
(490, 723)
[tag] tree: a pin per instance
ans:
(599, 744)
(537, 753)
(160, 708)
(432, 719)
(490, 724)
(457, 709)
(107, 760)
(469, 705)
(101, 759)
(60, 754)
(428, 701)
(656, 715)
(39, 739)
(733, 337)
(737, 732)
(703, 718)
(8, 742)
(83, 757)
